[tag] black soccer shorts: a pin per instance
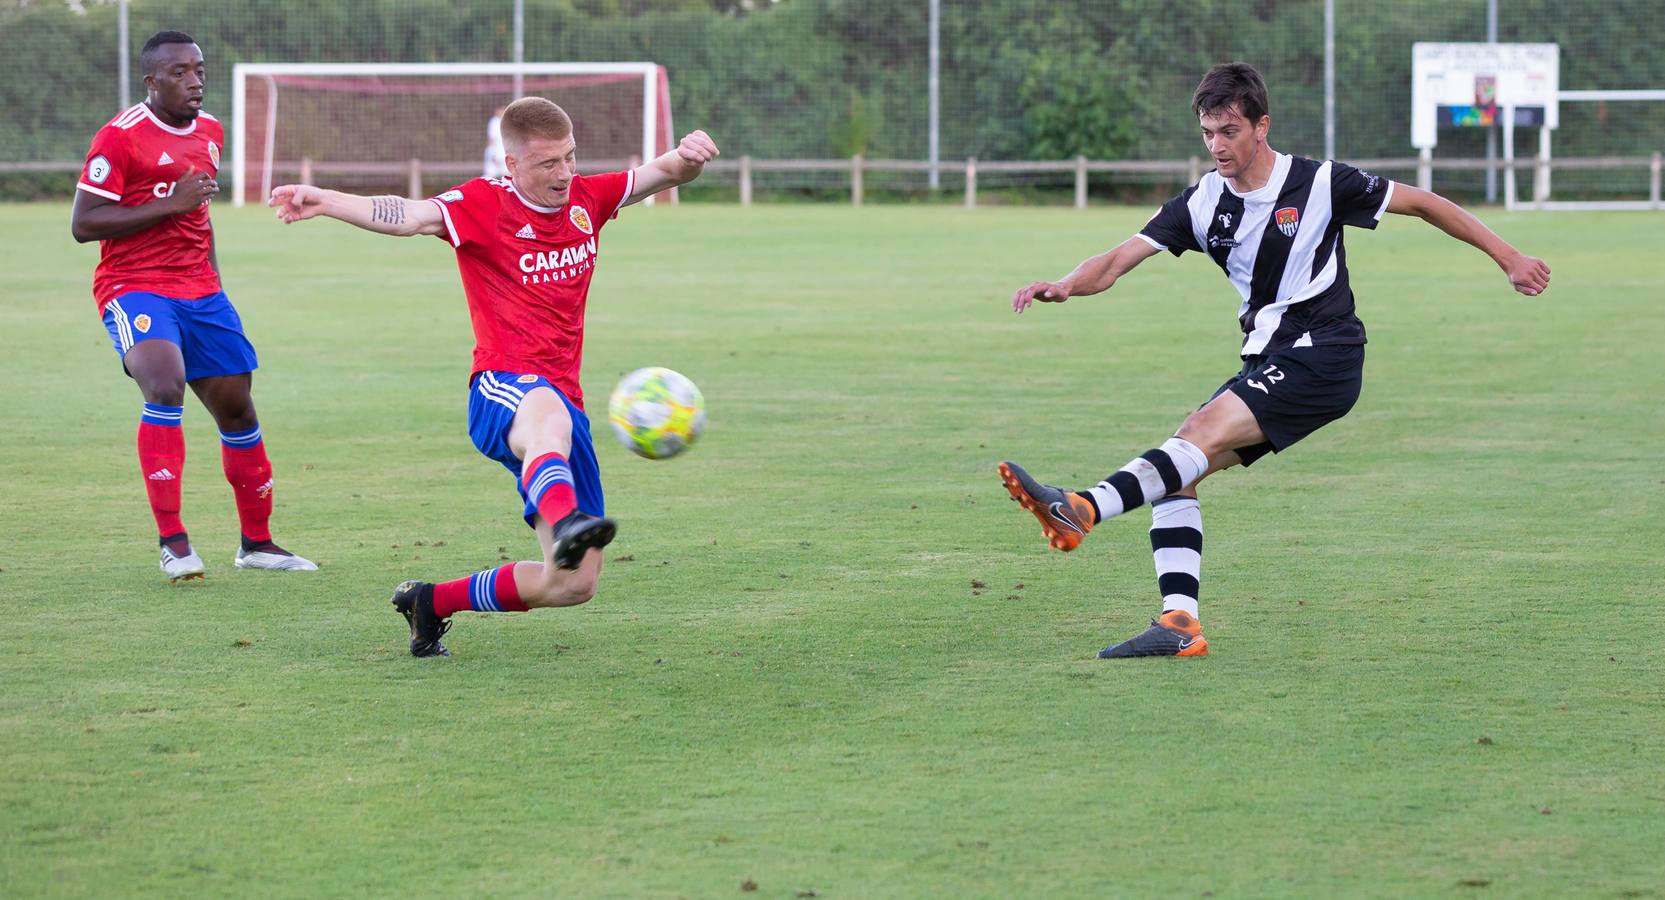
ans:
(1295, 392)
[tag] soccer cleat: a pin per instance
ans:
(268, 555)
(1176, 633)
(577, 534)
(1066, 517)
(415, 601)
(181, 568)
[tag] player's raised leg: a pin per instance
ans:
(1066, 517)
(248, 471)
(532, 428)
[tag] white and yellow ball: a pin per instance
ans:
(656, 413)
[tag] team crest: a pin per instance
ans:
(142, 322)
(580, 219)
(214, 154)
(1288, 220)
(527, 379)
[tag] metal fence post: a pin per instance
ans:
(1080, 181)
(746, 180)
(306, 170)
(1540, 168)
(415, 192)
(1654, 168)
(1193, 170)
(855, 180)
(971, 182)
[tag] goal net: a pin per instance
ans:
(418, 128)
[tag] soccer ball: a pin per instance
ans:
(656, 413)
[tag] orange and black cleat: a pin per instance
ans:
(1066, 517)
(1176, 633)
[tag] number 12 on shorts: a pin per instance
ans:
(1273, 375)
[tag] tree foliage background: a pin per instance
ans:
(1109, 79)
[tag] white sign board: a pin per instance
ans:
(1473, 75)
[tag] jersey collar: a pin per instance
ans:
(1273, 185)
(166, 127)
(547, 210)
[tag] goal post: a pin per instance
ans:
(1628, 168)
(376, 124)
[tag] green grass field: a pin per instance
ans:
(828, 655)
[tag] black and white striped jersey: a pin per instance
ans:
(1280, 246)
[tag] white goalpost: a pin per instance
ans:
(375, 124)
(1653, 162)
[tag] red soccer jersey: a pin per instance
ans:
(136, 159)
(526, 271)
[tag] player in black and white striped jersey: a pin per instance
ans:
(1272, 223)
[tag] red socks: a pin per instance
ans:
(161, 447)
(243, 456)
(492, 590)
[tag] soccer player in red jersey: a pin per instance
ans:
(526, 247)
(144, 195)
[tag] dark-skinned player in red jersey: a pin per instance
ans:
(526, 247)
(144, 195)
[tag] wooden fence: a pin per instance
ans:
(414, 172)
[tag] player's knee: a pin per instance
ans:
(163, 391)
(564, 588)
(236, 419)
(1198, 431)
(580, 591)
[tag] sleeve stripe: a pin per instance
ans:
(450, 229)
(83, 186)
(629, 188)
(1149, 240)
(1386, 199)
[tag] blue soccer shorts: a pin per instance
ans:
(207, 330)
(493, 399)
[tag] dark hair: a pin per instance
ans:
(148, 56)
(1230, 85)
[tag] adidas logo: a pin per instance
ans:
(165, 159)
(264, 490)
(526, 232)
(160, 475)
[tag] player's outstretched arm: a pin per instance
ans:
(1527, 274)
(678, 167)
(1095, 275)
(384, 215)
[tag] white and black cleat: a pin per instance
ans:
(267, 555)
(181, 568)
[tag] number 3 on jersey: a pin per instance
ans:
(1273, 375)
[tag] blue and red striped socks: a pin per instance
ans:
(548, 481)
(492, 590)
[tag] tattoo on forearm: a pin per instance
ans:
(387, 209)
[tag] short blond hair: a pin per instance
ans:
(534, 117)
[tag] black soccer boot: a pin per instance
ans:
(415, 601)
(577, 534)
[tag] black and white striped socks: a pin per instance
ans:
(1148, 478)
(1176, 543)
